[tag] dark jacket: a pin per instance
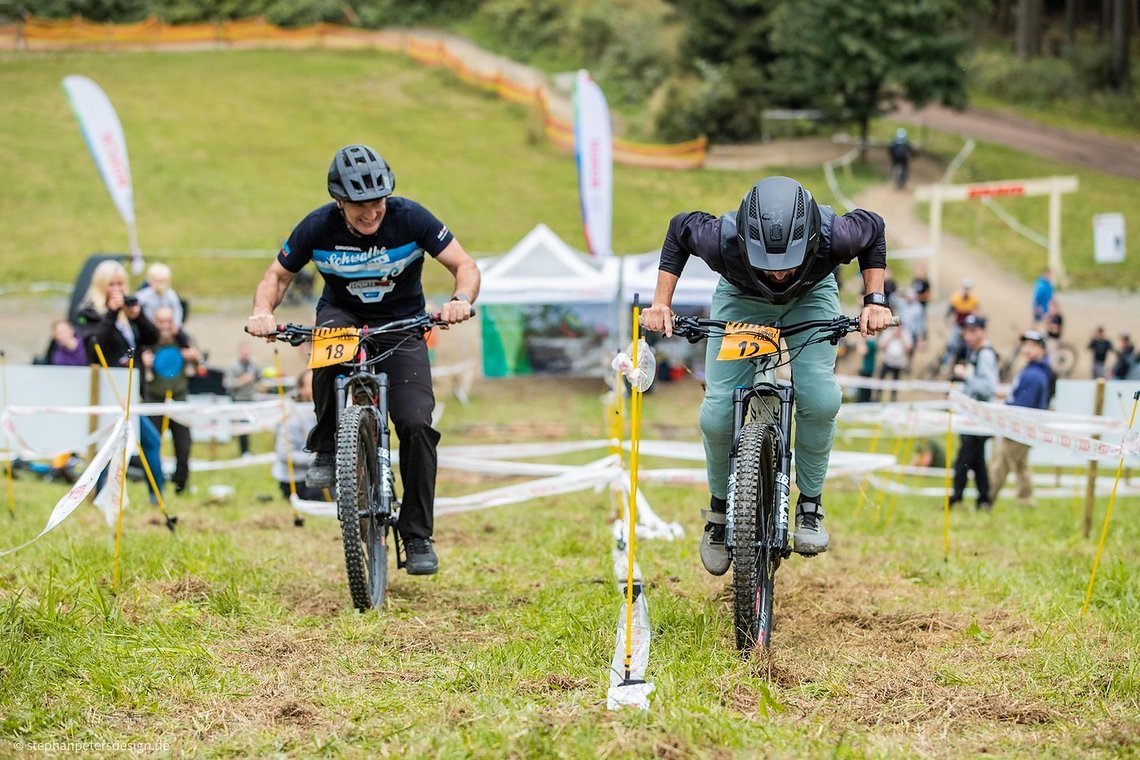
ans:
(1031, 388)
(95, 328)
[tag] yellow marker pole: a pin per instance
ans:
(165, 416)
(631, 533)
(908, 450)
(874, 449)
(1111, 503)
(138, 444)
(122, 476)
(946, 509)
(1077, 493)
(7, 440)
(297, 518)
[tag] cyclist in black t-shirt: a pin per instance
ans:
(369, 247)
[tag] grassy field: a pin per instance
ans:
(233, 638)
(229, 149)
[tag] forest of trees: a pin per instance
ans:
(685, 67)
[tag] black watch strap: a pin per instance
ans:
(874, 299)
(461, 297)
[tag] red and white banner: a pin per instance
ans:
(593, 149)
(108, 146)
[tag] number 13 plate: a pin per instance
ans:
(745, 341)
(333, 345)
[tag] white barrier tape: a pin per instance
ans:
(1048, 478)
(1103, 488)
(28, 450)
(1014, 423)
(83, 486)
(208, 465)
(643, 374)
(526, 450)
(649, 525)
(499, 467)
(873, 383)
(593, 475)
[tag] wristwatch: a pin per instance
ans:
(874, 299)
(461, 297)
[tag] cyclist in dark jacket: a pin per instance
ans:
(1030, 390)
(775, 255)
(370, 247)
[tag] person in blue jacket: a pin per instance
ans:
(1031, 389)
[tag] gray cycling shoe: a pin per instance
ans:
(322, 472)
(810, 537)
(714, 554)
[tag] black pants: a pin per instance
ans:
(971, 456)
(410, 404)
(181, 436)
(894, 373)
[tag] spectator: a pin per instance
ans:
(895, 345)
(921, 285)
(1042, 295)
(66, 349)
(963, 303)
(170, 361)
(292, 437)
(1124, 358)
(241, 379)
(912, 318)
(868, 350)
(157, 293)
(900, 151)
(928, 453)
(890, 287)
(113, 321)
(1099, 345)
(1030, 390)
(979, 373)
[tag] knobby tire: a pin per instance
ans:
(363, 529)
(755, 559)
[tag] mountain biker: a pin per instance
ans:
(900, 151)
(775, 255)
(369, 247)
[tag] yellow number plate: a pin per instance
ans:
(745, 341)
(333, 345)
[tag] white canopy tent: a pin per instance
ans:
(542, 268)
(639, 277)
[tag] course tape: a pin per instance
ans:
(84, 485)
(1032, 428)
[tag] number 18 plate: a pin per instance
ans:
(333, 345)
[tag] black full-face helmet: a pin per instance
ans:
(778, 228)
(358, 174)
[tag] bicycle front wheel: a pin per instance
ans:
(363, 528)
(755, 558)
(1064, 359)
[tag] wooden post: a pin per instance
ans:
(93, 420)
(1055, 261)
(1090, 484)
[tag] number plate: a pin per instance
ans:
(745, 341)
(333, 345)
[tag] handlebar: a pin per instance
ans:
(695, 329)
(295, 335)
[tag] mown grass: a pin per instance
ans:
(233, 637)
(229, 150)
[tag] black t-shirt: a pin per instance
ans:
(1100, 348)
(376, 277)
(921, 287)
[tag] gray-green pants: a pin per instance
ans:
(813, 377)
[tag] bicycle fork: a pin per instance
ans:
(745, 399)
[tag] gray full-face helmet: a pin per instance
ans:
(358, 174)
(778, 228)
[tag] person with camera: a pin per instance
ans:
(112, 319)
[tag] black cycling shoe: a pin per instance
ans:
(421, 557)
(322, 472)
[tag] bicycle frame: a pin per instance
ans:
(751, 401)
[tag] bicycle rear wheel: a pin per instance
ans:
(755, 558)
(363, 529)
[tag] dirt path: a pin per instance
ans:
(1084, 149)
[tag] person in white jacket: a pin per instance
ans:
(291, 437)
